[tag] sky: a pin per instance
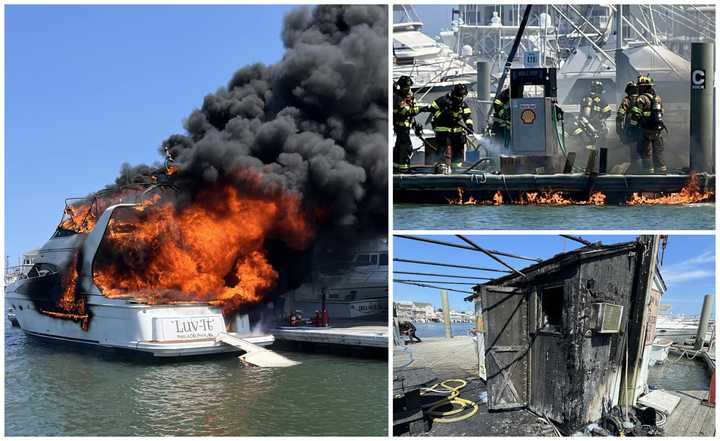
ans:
(688, 266)
(90, 87)
(435, 18)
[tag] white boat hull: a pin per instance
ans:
(160, 330)
(346, 309)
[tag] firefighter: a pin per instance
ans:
(594, 110)
(627, 121)
(452, 122)
(405, 109)
(501, 117)
(650, 145)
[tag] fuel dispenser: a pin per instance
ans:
(533, 99)
(536, 120)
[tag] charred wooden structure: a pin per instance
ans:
(558, 335)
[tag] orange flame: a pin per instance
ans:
(71, 306)
(689, 194)
(208, 252)
(530, 198)
(78, 217)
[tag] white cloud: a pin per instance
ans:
(681, 276)
(706, 257)
(698, 267)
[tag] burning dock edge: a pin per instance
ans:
(440, 189)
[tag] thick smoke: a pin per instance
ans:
(315, 123)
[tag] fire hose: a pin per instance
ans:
(453, 399)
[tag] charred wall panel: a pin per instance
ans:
(572, 364)
(609, 280)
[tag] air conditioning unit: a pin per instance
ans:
(607, 317)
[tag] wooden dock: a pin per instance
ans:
(456, 358)
(438, 189)
(691, 417)
(346, 334)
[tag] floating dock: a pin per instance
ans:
(456, 359)
(366, 335)
(439, 189)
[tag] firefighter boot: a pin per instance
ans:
(646, 166)
(657, 156)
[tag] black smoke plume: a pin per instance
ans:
(314, 123)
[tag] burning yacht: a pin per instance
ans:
(60, 296)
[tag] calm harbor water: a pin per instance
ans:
(453, 217)
(425, 330)
(57, 389)
(679, 375)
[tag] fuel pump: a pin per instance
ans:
(535, 114)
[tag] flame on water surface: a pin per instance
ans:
(530, 198)
(689, 194)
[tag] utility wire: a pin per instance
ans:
(425, 262)
(422, 285)
(483, 250)
(435, 281)
(441, 275)
(466, 247)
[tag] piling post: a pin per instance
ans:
(702, 110)
(480, 335)
(446, 313)
(704, 319)
(483, 90)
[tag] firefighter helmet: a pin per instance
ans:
(597, 87)
(459, 91)
(631, 88)
(645, 80)
(404, 82)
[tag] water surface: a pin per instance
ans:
(58, 389)
(543, 217)
(425, 330)
(679, 375)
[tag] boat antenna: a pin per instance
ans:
(510, 58)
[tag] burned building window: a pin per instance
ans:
(551, 308)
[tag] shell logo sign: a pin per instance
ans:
(527, 116)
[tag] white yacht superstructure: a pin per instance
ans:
(430, 63)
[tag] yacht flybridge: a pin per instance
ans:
(431, 64)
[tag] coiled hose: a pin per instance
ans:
(459, 404)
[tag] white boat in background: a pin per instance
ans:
(430, 63)
(680, 328)
(121, 323)
(659, 351)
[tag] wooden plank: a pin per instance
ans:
(691, 417)
(708, 425)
